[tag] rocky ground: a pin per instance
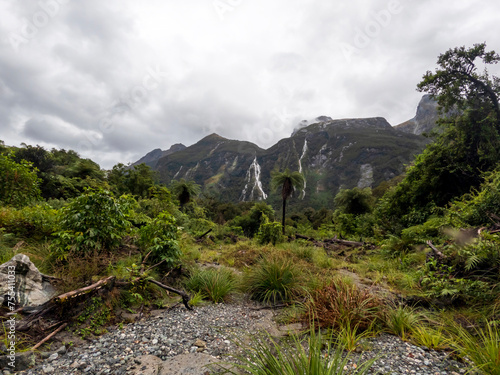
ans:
(178, 341)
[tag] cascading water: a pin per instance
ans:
(304, 150)
(253, 173)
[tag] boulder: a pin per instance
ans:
(31, 287)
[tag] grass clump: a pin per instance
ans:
(214, 284)
(265, 356)
(402, 320)
(274, 280)
(338, 304)
(481, 346)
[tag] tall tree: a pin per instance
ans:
(185, 191)
(287, 181)
(468, 145)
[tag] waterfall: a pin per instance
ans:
(304, 150)
(253, 172)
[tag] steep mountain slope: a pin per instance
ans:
(152, 157)
(332, 154)
(425, 119)
(221, 166)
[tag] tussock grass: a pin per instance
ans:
(275, 280)
(339, 304)
(266, 356)
(215, 284)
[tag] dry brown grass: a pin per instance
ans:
(337, 304)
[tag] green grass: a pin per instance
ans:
(402, 320)
(266, 356)
(274, 280)
(214, 284)
(481, 346)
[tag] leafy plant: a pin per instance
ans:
(269, 231)
(432, 338)
(92, 221)
(214, 284)
(349, 336)
(19, 184)
(159, 239)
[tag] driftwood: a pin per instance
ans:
(334, 240)
(184, 295)
(78, 292)
(49, 336)
(199, 238)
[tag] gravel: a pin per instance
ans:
(210, 330)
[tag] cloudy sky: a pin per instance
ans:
(115, 79)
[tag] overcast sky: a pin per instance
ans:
(115, 79)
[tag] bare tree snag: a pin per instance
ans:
(184, 295)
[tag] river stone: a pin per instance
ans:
(31, 287)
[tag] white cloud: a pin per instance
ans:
(83, 79)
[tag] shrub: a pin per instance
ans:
(19, 184)
(92, 221)
(269, 231)
(159, 239)
(274, 280)
(32, 221)
(214, 284)
(337, 304)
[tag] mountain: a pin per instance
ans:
(425, 119)
(152, 157)
(332, 154)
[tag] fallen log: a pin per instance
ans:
(75, 293)
(332, 240)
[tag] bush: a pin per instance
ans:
(159, 239)
(338, 304)
(274, 280)
(214, 284)
(92, 221)
(29, 222)
(19, 184)
(269, 231)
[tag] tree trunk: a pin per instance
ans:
(283, 217)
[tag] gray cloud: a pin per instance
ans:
(115, 79)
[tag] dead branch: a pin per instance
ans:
(49, 336)
(435, 251)
(75, 293)
(203, 235)
(184, 295)
(330, 241)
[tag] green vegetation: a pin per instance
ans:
(265, 356)
(416, 257)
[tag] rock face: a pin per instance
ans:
(31, 287)
(331, 154)
(425, 119)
